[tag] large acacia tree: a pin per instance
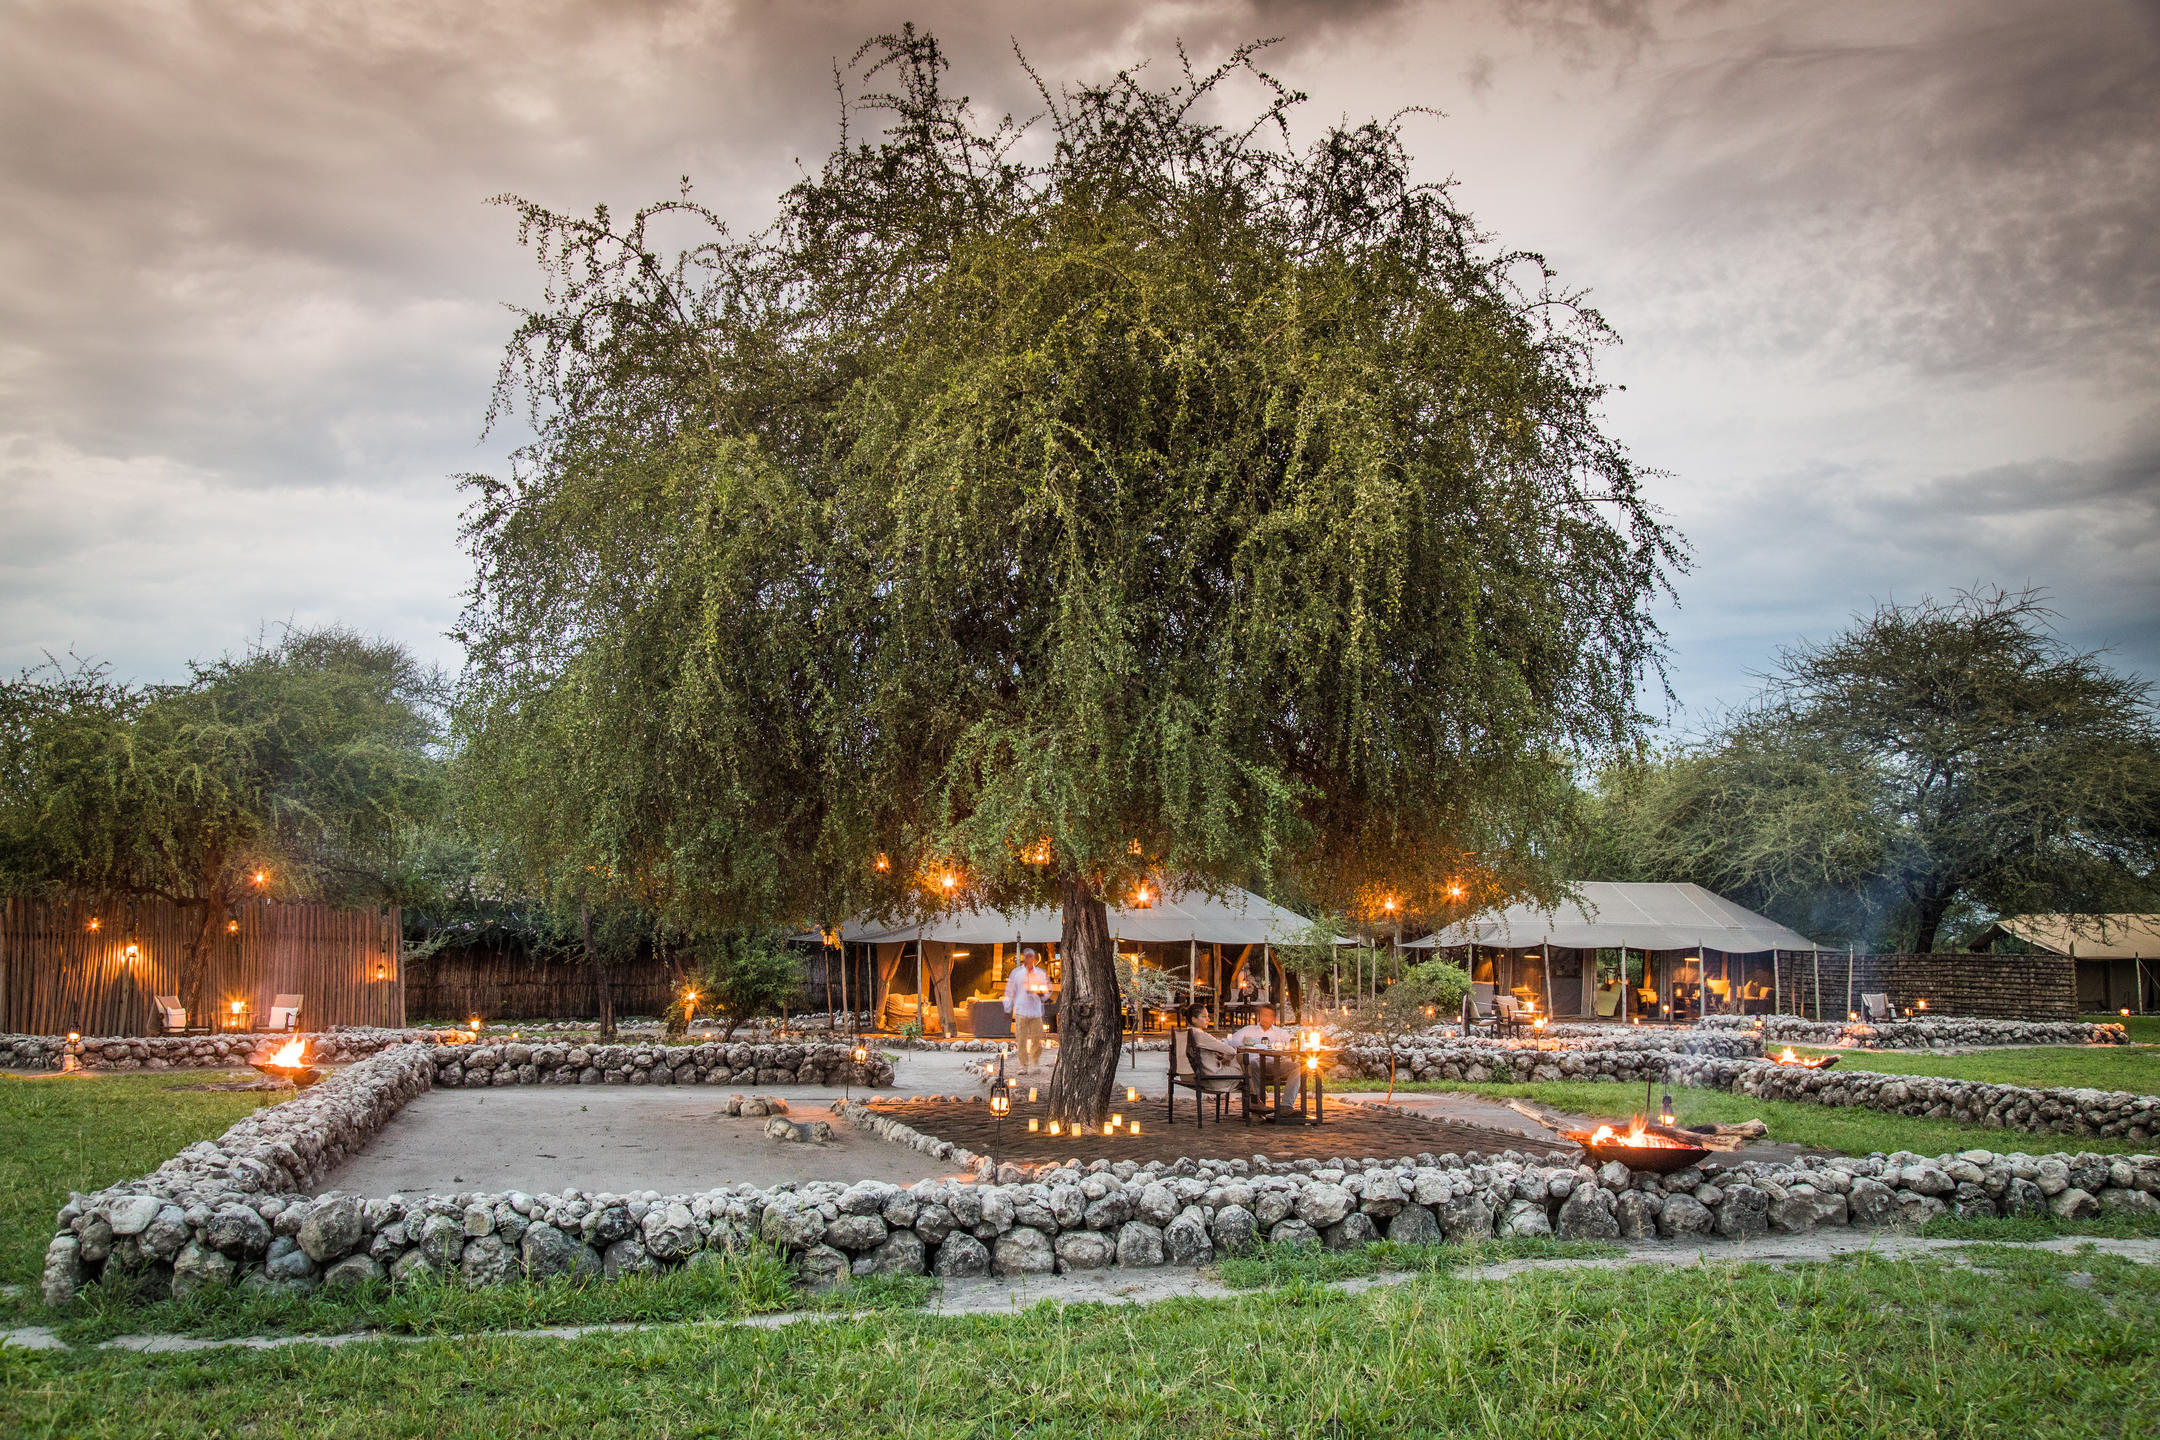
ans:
(1178, 507)
(1935, 758)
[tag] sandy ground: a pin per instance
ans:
(547, 1138)
(670, 1139)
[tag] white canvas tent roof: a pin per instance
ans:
(2088, 937)
(1612, 915)
(1237, 918)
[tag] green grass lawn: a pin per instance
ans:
(83, 1132)
(1861, 1346)
(1845, 1130)
(757, 1282)
(2100, 1067)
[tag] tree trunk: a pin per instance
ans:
(596, 974)
(195, 969)
(1088, 1031)
(1930, 909)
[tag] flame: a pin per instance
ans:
(1637, 1136)
(1790, 1057)
(290, 1056)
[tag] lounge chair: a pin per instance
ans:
(1608, 1002)
(1508, 1013)
(172, 1016)
(1202, 1084)
(1877, 1008)
(284, 1013)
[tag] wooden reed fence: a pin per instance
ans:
(455, 984)
(66, 965)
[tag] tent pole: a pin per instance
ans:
(1848, 985)
(922, 992)
(1545, 950)
(1777, 983)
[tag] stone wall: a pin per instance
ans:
(186, 1052)
(2114, 1114)
(2059, 1111)
(227, 1213)
(1936, 1031)
(560, 1063)
(1584, 1053)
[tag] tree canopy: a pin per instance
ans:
(1936, 760)
(296, 768)
(1115, 498)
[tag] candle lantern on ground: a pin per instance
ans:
(1000, 1104)
(857, 1058)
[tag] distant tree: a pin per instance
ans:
(1935, 758)
(1312, 956)
(297, 768)
(1161, 504)
(1386, 1021)
(744, 976)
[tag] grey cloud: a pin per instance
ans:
(1798, 554)
(251, 300)
(1971, 190)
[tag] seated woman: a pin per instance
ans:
(1217, 1056)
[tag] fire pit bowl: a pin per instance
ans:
(288, 1063)
(1658, 1149)
(1800, 1062)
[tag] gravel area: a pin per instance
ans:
(543, 1138)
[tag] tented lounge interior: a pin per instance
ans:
(1217, 949)
(1625, 952)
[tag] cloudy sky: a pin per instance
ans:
(1887, 276)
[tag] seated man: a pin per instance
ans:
(1282, 1069)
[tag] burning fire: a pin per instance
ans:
(1636, 1135)
(1794, 1058)
(290, 1056)
(1789, 1057)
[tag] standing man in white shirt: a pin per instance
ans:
(1025, 991)
(1264, 1031)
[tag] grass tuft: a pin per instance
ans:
(2037, 1344)
(1270, 1266)
(2099, 1067)
(753, 1282)
(2027, 1229)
